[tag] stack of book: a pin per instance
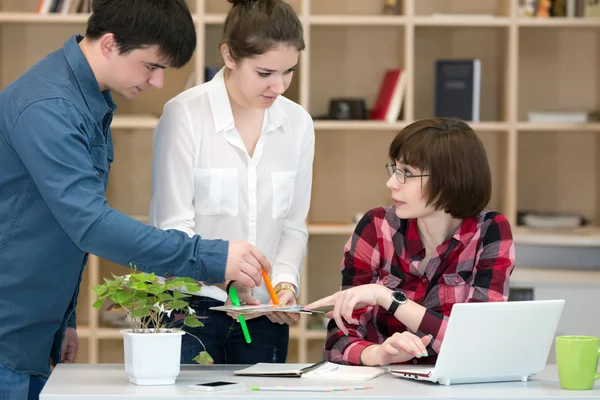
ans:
(64, 6)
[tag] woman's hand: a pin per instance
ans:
(346, 301)
(399, 347)
(286, 298)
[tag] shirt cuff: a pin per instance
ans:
(286, 277)
(212, 260)
(354, 351)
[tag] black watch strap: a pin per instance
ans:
(394, 306)
(398, 298)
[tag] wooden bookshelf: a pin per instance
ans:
(527, 65)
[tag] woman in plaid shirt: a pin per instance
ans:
(405, 266)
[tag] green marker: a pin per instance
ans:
(236, 302)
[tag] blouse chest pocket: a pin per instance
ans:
(216, 191)
(284, 187)
(453, 289)
(390, 281)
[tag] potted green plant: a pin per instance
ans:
(152, 346)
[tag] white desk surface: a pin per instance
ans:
(108, 381)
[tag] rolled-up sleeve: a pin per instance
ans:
(56, 152)
(361, 259)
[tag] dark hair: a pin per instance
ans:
(459, 181)
(253, 27)
(138, 24)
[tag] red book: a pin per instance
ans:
(389, 100)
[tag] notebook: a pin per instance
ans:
(320, 370)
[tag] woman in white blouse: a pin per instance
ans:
(233, 160)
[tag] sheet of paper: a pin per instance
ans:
(264, 308)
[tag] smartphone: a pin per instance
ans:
(216, 386)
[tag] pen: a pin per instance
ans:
(269, 286)
(308, 388)
(236, 302)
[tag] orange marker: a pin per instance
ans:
(269, 285)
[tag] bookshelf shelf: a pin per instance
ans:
(356, 20)
(134, 122)
(358, 126)
(461, 21)
(551, 127)
(30, 17)
(558, 22)
(331, 229)
(213, 19)
(349, 46)
(588, 236)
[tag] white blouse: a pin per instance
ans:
(204, 182)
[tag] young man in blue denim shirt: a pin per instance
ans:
(55, 154)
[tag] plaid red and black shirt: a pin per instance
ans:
(474, 265)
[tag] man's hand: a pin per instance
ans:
(70, 346)
(244, 263)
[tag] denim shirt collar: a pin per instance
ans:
(99, 103)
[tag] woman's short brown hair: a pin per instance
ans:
(254, 27)
(448, 149)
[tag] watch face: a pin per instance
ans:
(399, 296)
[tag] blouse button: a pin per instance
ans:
(423, 280)
(415, 361)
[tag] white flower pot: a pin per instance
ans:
(152, 358)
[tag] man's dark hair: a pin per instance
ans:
(138, 24)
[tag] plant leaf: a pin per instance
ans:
(177, 304)
(98, 303)
(139, 286)
(179, 295)
(120, 296)
(99, 290)
(155, 289)
(164, 297)
(140, 313)
(192, 322)
(204, 358)
(192, 287)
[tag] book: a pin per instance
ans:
(320, 370)
(389, 99)
(458, 89)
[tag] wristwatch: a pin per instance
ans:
(398, 298)
(286, 286)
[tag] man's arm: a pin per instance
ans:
(56, 153)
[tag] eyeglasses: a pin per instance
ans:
(400, 175)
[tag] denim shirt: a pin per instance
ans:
(55, 154)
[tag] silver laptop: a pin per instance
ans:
(492, 342)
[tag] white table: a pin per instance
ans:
(108, 381)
